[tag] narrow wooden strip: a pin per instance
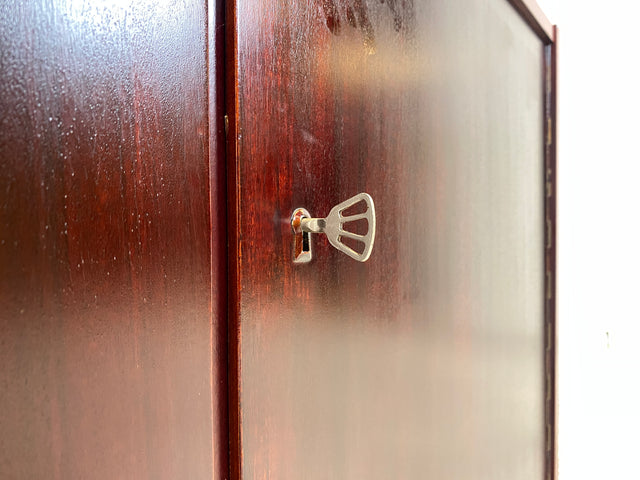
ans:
(535, 18)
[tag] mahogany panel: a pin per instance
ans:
(428, 360)
(112, 339)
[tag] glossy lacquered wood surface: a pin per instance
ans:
(111, 359)
(428, 360)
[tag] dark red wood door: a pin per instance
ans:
(112, 278)
(426, 361)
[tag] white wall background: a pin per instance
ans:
(598, 237)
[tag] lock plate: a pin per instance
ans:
(301, 239)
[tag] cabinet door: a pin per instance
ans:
(112, 286)
(428, 360)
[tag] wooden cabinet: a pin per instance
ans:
(112, 261)
(153, 323)
(428, 360)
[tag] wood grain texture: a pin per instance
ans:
(426, 361)
(109, 318)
